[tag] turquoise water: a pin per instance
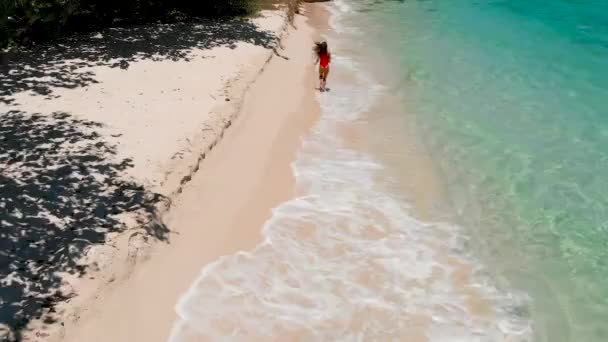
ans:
(511, 97)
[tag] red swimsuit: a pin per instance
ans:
(324, 60)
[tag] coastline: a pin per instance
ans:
(223, 206)
(214, 210)
(347, 257)
(183, 182)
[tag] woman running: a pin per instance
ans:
(323, 58)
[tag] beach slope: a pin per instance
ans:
(225, 204)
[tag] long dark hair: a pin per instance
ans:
(320, 48)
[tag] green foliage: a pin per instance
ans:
(217, 7)
(7, 10)
(24, 21)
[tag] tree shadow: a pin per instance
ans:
(63, 63)
(62, 189)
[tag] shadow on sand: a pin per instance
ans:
(60, 64)
(61, 189)
(62, 186)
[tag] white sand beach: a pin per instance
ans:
(165, 113)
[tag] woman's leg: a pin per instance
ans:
(320, 78)
(325, 77)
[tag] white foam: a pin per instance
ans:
(345, 261)
(338, 10)
(343, 6)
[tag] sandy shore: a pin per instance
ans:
(161, 95)
(222, 208)
(119, 127)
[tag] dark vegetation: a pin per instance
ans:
(26, 21)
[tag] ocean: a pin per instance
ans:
(511, 98)
(454, 188)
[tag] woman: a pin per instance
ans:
(323, 58)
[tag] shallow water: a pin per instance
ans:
(511, 98)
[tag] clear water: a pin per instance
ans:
(512, 98)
